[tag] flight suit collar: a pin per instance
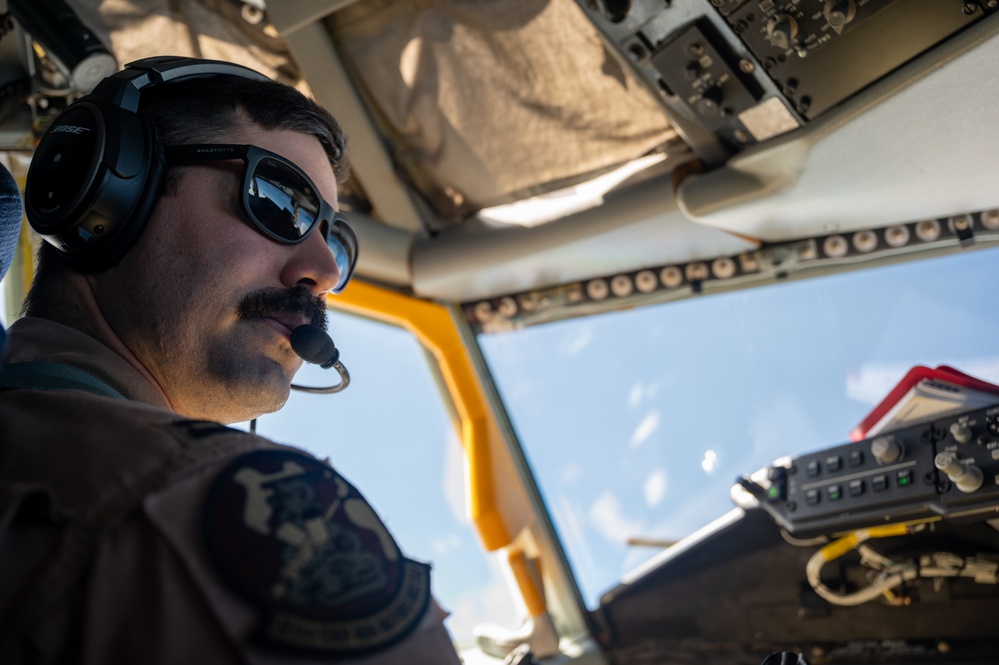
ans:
(31, 339)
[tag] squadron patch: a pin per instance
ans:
(302, 545)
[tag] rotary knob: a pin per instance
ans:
(709, 105)
(839, 12)
(782, 30)
(886, 451)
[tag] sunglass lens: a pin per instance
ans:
(282, 200)
(343, 245)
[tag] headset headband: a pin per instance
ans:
(97, 172)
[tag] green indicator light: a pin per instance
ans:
(903, 480)
(773, 492)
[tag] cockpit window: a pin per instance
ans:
(636, 423)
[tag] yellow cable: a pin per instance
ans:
(838, 548)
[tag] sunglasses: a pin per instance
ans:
(279, 200)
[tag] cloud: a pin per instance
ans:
(571, 473)
(442, 546)
(642, 391)
(575, 344)
(645, 429)
(606, 517)
(635, 396)
(655, 487)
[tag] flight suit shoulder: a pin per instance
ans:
(296, 540)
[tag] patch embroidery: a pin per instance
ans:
(301, 544)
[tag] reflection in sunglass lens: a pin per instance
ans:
(282, 200)
(341, 255)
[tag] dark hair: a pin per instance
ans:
(200, 111)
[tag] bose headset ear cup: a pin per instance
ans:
(64, 170)
(86, 180)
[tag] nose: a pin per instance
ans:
(311, 263)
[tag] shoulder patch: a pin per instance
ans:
(297, 541)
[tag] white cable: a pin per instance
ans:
(868, 556)
(846, 544)
(946, 564)
(939, 564)
(867, 594)
(803, 542)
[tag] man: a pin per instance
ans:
(133, 526)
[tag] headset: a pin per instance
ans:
(98, 170)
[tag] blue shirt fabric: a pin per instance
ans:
(10, 218)
(10, 227)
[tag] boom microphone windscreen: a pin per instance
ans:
(314, 346)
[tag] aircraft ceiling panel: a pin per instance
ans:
(919, 145)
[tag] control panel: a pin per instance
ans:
(947, 468)
(822, 51)
(692, 67)
(732, 73)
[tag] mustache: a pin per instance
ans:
(268, 303)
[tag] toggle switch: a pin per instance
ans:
(961, 432)
(966, 477)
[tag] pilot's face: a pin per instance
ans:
(179, 300)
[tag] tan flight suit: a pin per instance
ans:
(131, 534)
